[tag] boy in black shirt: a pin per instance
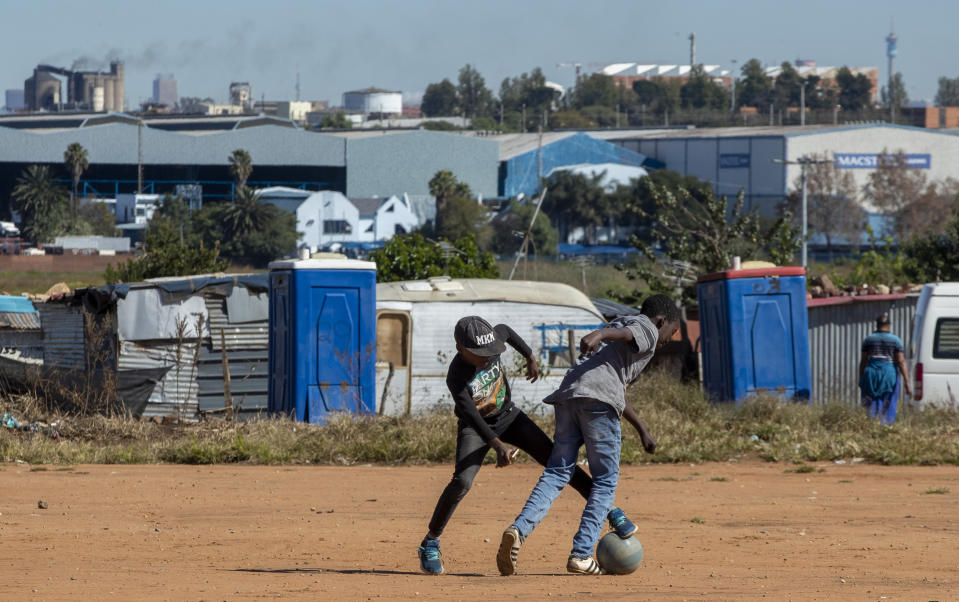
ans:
(488, 419)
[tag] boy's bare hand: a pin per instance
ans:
(504, 454)
(532, 370)
(590, 342)
(649, 444)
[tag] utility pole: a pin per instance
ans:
(140, 156)
(802, 104)
(692, 49)
(803, 163)
(732, 104)
(529, 234)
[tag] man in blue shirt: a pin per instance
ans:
(878, 382)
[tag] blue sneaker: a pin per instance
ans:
(620, 524)
(431, 560)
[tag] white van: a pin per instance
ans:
(934, 353)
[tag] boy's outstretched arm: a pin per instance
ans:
(515, 341)
(649, 444)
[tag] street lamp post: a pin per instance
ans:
(732, 104)
(803, 163)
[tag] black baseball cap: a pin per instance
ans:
(475, 334)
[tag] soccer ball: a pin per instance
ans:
(619, 556)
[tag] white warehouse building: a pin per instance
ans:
(374, 101)
(734, 159)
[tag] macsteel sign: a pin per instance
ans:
(871, 161)
(733, 160)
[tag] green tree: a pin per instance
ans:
(41, 203)
(755, 87)
(440, 100)
(578, 201)
(948, 93)
(571, 119)
(474, 96)
(786, 89)
(413, 257)
(894, 95)
(657, 95)
(527, 93)
(638, 201)
(241, 166)
(701, 92)
(934, 257)
(445, 187)
(246, 215)
(99, 217)
(510, 225)
(335, 121)
(702, 233)
(854, 90)
(166, 254)
(76, 161)
(819, 96)
(596, 89)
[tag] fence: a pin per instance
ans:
(837, 327)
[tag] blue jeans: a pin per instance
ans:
(579, 421)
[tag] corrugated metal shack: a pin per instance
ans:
(165, 339)
(837, 327)
(21, 340)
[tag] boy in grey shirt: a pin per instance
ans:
(588, 406)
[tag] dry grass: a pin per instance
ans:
(38, 282)
(687, 427)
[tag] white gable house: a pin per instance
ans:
(381, 218)
(327, 216)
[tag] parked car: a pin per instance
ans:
(934, 353)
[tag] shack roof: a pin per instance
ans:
(445, 290)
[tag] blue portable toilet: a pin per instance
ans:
(322, 337)
(754, 333)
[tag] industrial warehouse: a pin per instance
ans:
(178, 150)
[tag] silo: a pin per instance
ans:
(119, 86)
(109, 91)
(98, 105)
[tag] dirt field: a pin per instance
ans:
(715, 531)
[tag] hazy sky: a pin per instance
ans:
(405, 45)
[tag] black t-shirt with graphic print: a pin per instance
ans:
(481, 396)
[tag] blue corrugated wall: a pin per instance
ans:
(519, 173)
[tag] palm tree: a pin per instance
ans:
(75, 158)
(444, 186)
(241, 166)
(246, 215)
(40, 203)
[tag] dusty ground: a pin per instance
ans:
(715, 531)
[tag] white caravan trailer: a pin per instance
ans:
(414, 336)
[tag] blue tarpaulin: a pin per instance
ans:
(519, 174)
(16, 305)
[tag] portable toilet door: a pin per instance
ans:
(755, 333)
(322, 344)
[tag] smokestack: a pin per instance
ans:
(119, 86)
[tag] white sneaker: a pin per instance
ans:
(583, 566)
(508, 551)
